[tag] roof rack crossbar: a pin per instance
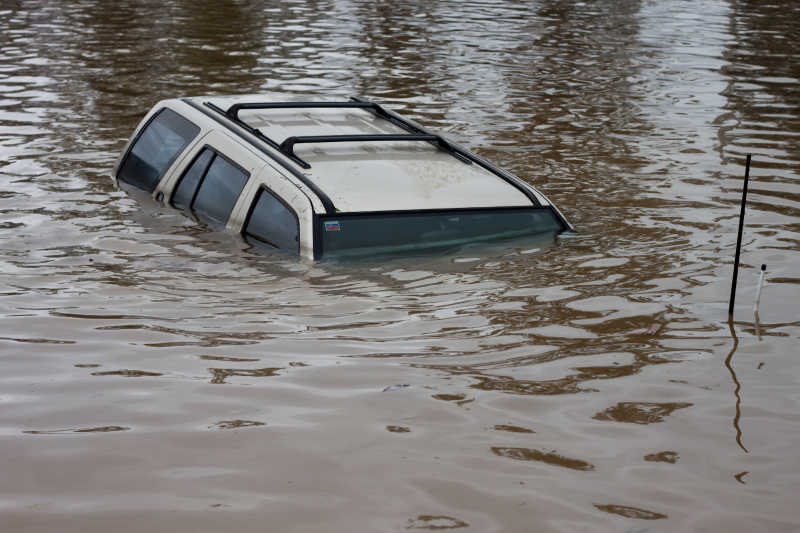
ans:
(353, 103)
(233, 111)
(287, 146)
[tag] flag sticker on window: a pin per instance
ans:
(333, 225)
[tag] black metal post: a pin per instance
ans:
(739, 239)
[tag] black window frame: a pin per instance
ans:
(262, 189)
(217, 153)
(138, 136)
(189, 167)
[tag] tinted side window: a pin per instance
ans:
(157, 146)
(271, 222)
(187, 187)
(219, 191)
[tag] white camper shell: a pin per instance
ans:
(326, 178)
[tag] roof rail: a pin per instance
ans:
(233, 111)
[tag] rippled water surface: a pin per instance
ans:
(159, 376)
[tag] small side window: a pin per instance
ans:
(272, 223)
(219, 190)
(187, 188)
(155, 149)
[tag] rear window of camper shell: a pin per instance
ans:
(360, 234)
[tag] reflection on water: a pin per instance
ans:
(435, 522)
(514, 429)
(221, 374)
(631, 512)
(102, 429)
(551, 458)
(640, 412)
(663, 457)
(737, 391)
(236, 424)
(604, 354)
(127, 373)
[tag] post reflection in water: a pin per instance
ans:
(161, 374)
(729, 366)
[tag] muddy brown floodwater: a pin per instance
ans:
(156, 376)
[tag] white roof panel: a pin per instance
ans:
(379, 175)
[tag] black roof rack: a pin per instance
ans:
(416, 133)
(286, 146)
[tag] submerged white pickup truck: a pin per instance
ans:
(326, 178)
